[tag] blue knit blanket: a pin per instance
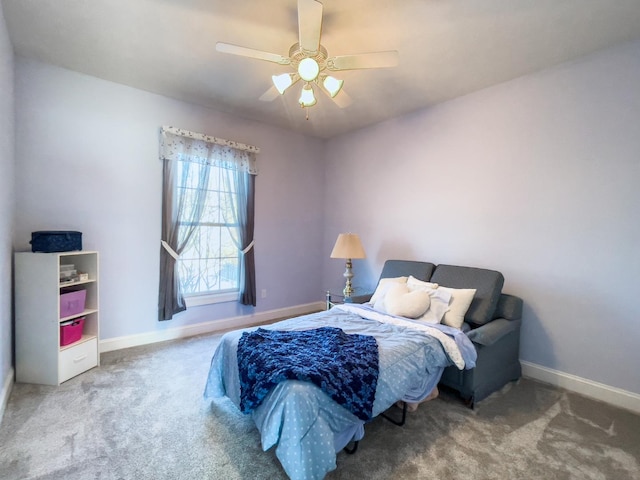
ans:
(344, 366)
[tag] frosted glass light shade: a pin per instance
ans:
(307, 99)
(348, 245)
(308, 69)
(333, 85)
(282, 82)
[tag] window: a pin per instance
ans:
(208, 210)
(209, 265)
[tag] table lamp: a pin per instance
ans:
(348, 246)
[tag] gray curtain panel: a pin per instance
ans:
(248, 288)
(242, 212)
(174, 208)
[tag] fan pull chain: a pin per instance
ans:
(306, 111)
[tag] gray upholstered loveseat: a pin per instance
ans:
(492, 323)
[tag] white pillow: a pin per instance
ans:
(402, 302)
(377, 299)
(439, 299)
(414, 283)
(461, 299)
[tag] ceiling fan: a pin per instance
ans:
(311, 62)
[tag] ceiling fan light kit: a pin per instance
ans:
(310, 60)
(284, 81)
(333, 85)
(307, 98)
(308, 69)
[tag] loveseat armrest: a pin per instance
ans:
(491, 332)
(509, 307)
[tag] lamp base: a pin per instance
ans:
(348, 274)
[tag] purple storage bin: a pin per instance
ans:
(72, 303)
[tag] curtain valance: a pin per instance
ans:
(178, 144)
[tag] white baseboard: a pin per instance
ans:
(598, 391)
(7, 385)
(244, 321)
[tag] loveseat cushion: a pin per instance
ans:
(404, 268)
(488, 285)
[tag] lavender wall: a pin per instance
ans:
(537, 178)
(87, 156)
(7, 161)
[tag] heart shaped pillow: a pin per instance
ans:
(402, 302)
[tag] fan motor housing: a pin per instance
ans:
(297, 54)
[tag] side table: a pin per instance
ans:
(338, 299)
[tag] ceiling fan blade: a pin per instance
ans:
(363, 60)
(270, 95)
(342, 100)
(309, 24)
(251, 53)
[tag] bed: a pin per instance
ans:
(305, 422)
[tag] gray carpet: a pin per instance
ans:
(141, 415)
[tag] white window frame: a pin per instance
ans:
(197, 300)
(212, 297)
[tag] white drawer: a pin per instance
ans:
(77, 359)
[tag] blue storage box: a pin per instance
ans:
(56, 241)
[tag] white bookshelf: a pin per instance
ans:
(39, 356)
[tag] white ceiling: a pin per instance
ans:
(447, 48)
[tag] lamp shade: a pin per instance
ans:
(348, 245)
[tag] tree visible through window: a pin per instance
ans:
(210, 262)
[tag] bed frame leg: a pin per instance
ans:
(353, 450)
(470, 402)
(402, 420)
(399, 423)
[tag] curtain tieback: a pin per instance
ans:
(170, 250)
(249, 247)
